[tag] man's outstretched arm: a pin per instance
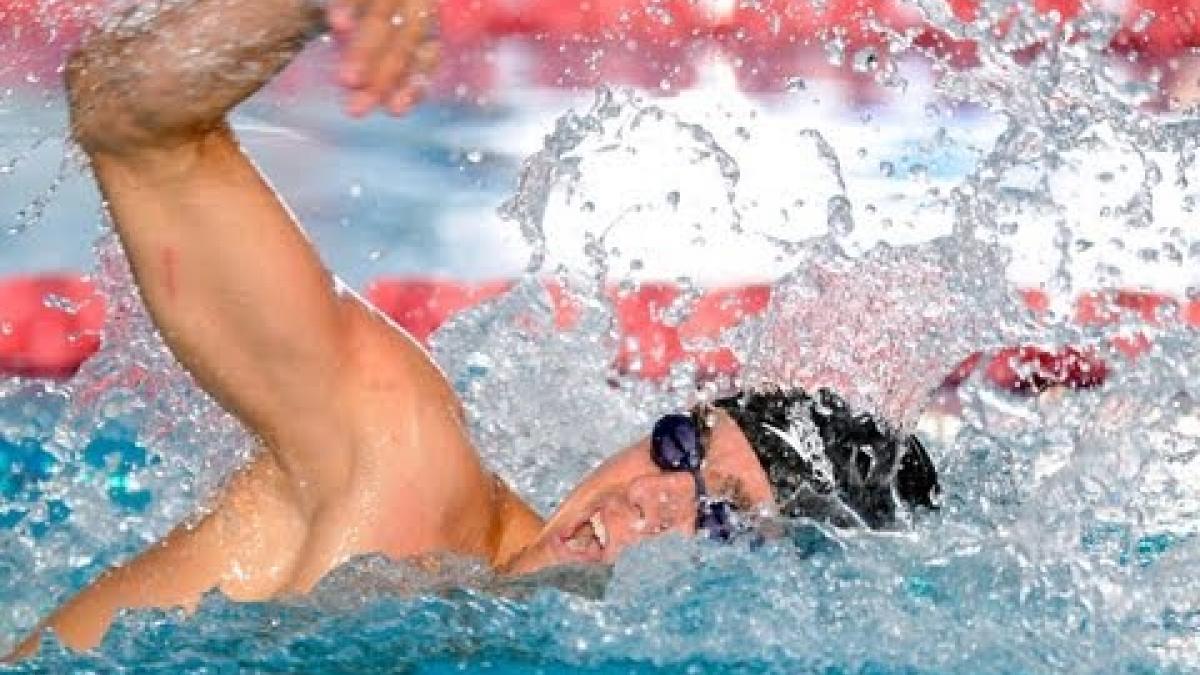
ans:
(231, 281)
(243, 301)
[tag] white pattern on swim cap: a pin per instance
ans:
(803, 438)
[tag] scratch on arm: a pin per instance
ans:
(170, 263)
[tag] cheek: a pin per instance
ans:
(619, 469)
(614, 474)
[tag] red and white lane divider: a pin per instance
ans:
(50, 324)
(757, 33)
(647, 345)
(1161, 27)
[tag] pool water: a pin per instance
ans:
(1066, 540)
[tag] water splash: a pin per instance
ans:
(880, 323)
(1067, 539)
(883, 328)
(117, 456)
(35, 38)
(587, 211)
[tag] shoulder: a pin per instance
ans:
(248, 546)
(386, 365)
(418, 480)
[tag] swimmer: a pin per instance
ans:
(364, 444)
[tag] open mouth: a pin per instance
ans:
(588, 539)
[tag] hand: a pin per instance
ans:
(391, 50)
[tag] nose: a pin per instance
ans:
(664, 502)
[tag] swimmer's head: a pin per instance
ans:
(757, 460)
(826, 462)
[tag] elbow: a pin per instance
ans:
(104, 115)
(96, 124)
(118, 108)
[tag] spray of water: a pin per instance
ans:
(1067, 536)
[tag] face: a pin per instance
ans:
(629, 498)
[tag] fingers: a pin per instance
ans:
(425, 61)
(343, 15)
(389, 54)
(379, 30)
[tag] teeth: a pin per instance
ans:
(601, 533)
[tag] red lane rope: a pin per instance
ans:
(50, 324)
(1163, 27)
(649, 42)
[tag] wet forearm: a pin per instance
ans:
(168, 70)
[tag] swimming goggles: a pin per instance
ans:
(678, 444)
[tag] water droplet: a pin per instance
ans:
(835, 50)
(60, 303)
(865, 60)
(795, 84)
(840, 216)
(1144, 19)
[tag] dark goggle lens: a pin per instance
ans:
(675, 444)
(716, 519)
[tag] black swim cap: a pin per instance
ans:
(851, 477)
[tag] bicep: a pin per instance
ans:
(242, 299)
(234, 286)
